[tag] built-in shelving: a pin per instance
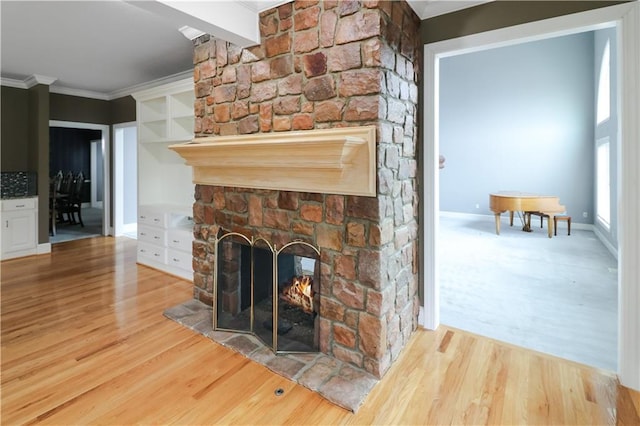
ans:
(165, 188)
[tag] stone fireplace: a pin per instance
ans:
(323, 65)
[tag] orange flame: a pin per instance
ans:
(300, 293)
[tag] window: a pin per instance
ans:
(604, 87)
(603, 189)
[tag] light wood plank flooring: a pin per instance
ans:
(84, 341)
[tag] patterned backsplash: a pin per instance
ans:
(19, 184)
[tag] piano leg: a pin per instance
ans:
(497, 223)
(510, 217)
(550, 224)
(526, 218)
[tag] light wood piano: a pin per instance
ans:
(513, 201)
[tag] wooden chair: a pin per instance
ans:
(74, 205)
(54, 201)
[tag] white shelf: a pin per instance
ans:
(165, 113)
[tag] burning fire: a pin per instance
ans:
(300, 293)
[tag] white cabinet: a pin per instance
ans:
(165, 236)
(19, 227)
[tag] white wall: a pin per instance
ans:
(519, 118)
(130, 175)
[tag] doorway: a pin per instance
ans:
(95, 170)
(627, 17)
(125, 179)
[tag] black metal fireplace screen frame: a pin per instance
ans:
(275, 254)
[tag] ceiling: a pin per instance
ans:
(108, 49)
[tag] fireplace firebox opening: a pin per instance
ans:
(270, 292)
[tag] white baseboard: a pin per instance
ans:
(613, 250)
(43, 248)
(505, 218)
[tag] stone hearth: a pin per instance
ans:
(324, 65)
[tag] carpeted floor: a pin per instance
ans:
(558, 296)
(92, 220)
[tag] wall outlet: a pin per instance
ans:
(477, 206)
(585, 214)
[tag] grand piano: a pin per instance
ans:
(513, 201)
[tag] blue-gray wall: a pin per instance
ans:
(519, 118)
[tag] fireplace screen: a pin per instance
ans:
(269, 292)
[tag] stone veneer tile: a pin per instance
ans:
(178, 312)
(315, 376)
(242, 343)
(343, 392)
(334, 380)
(195, 318)
(284, 366)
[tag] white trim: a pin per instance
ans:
(12, 82)
(629, 200)
(43, 248)
(61, 90)
(627, 17)
(151, 84)
(106, 148)
(36, 79)
(605, 242)
(505, 219)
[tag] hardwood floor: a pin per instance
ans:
(84, 341)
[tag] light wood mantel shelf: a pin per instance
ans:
(331, 161)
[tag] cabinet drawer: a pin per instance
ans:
(180, 239)
(152, 252)
(151, 217)
(148, 234)
(180, 259)
(19, 204)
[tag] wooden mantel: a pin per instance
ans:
(331, 161)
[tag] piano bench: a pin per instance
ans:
(542, 216)
(561, 217)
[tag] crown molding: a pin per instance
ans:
(151, 84)
(12, 82)
(81, 93)
(28, 82)
(36, 79)
(62, 90)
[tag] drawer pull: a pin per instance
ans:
(176, 241)
(156, 255)
(143, 233)
(156, 220)
(156, 237)
(19, 206)
(143, 217)
(176, 260)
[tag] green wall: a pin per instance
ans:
(14, 130)
(24, 143)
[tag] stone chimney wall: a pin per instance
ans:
(325, 64)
